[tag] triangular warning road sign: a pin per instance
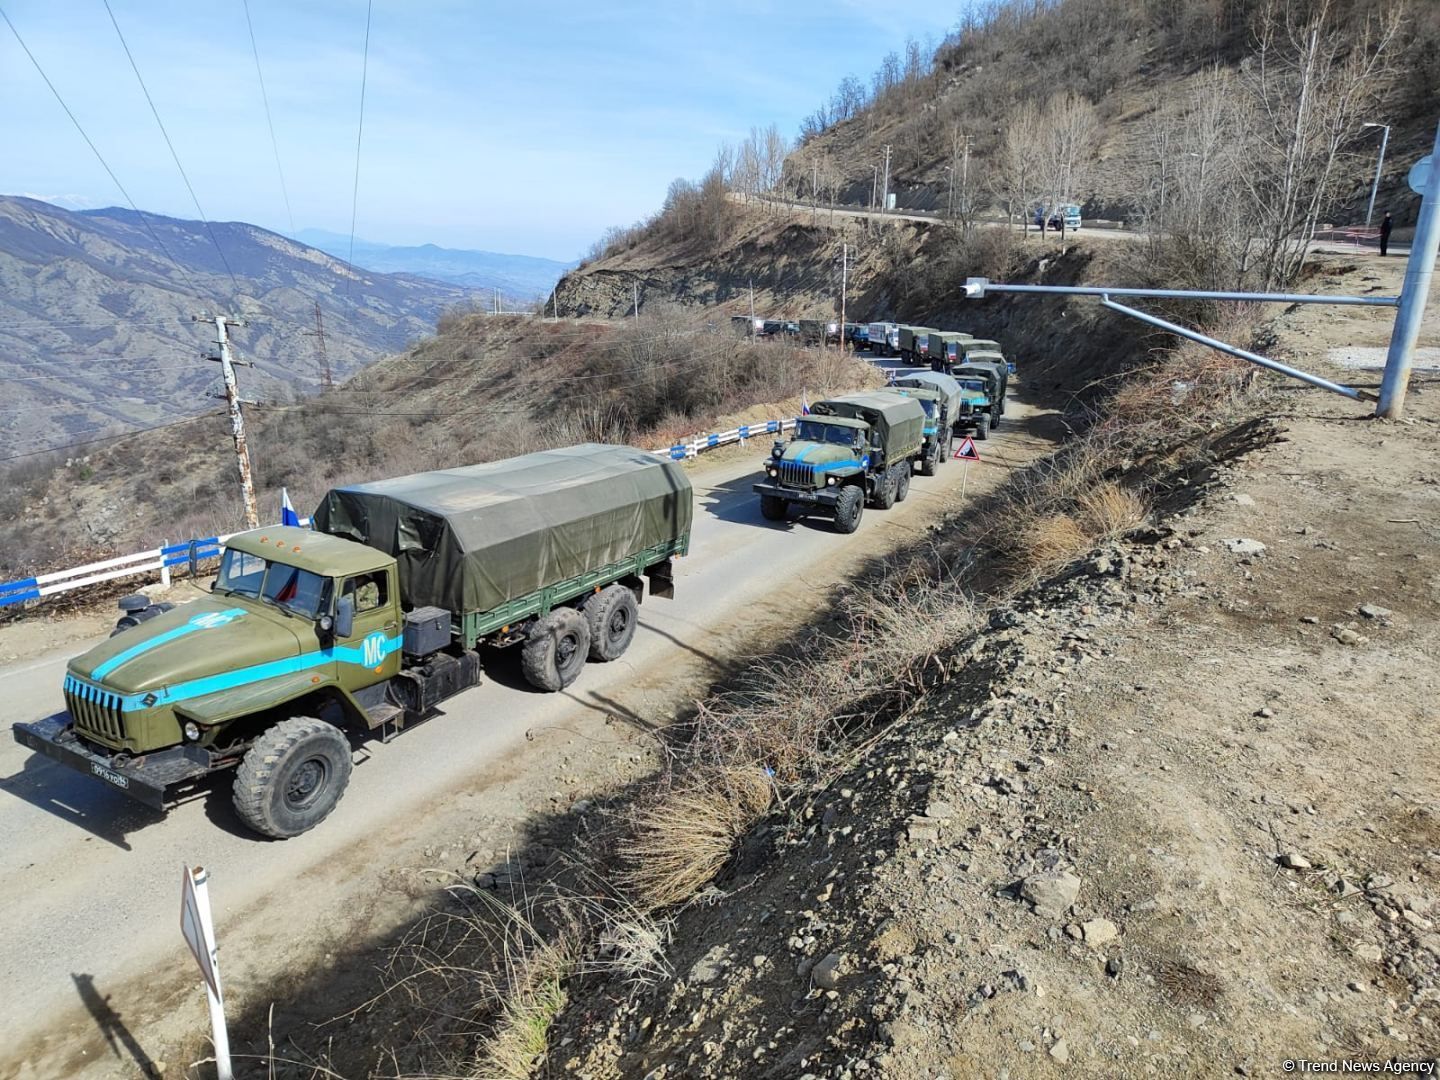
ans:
(966, 450)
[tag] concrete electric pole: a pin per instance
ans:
(885, 191)
(237, 419)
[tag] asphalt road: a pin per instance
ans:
(89, 881)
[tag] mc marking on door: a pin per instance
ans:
(374, 647)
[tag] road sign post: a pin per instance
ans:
(199, 934)
(967, 453)
(1419, 271)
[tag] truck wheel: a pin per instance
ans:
(885, 491)
(556, 651)
(292, 777)
(612, 617)
(902, 486)
(773, 508)
(928, 463)
(849, 508)
(982, 428)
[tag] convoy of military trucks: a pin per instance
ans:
(361, 624)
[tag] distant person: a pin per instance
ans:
(1040, 219)
(1385, 227)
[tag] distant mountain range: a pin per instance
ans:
(96, 336)
(520, 278)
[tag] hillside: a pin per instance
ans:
(1135, 67)
(521, 279)
(95, 328)
(478, 389)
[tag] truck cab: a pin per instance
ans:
(849, 451)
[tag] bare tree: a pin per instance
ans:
(1070, 128)
(1016, 179)
(1309, 87)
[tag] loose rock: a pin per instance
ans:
(1099, 932)
(1051, 893)
(826, 974)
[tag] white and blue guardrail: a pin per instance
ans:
(192, 554)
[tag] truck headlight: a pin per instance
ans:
(192, 731)
(773, 472)
(830, 481)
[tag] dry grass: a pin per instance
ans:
(680, 841)
(535, 996)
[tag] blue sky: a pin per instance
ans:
(527, 129)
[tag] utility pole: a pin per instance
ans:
(636, 287)
(1379, 166)
(322, 359)
(844, 272)
(885, 192)
(752, 309)
(237, 418)
(554, 307)
(1418, 273)
(874, 183)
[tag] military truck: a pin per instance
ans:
(884, 338)
(849, 451)
(364, 625)
(993, 359)
(952, 350)
(911, 338)
(939, 396)
(976, 410)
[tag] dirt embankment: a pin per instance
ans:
(1169, 812)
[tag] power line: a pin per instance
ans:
(176, 157)
(359, 132)
(274, 145)
(100, 157)
(109, 438)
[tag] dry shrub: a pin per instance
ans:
(681, 840)
(535, 997)
(1047, 542)
(1109, 510)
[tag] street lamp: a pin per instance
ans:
(1374, 187)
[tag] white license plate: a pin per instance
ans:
(107, 774)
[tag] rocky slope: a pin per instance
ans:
(95, 317)
(1170, 812)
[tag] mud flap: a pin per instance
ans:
(662, 580)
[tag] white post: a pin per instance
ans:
(164, 566)
(195, 909)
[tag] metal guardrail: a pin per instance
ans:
(681, 451)
(193, 553)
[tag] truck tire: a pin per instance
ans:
(612, 616)
(292, 777)
(982, 428)
(553, 656)
(928, 463)
(885, 491)
(849, 508)
(902, 486)
(773, 508)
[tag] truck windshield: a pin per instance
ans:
(289, 587)
(814, 431)
(974, 386)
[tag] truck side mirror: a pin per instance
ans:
(345, 617)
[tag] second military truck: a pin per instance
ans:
(367, 623)
(850, 450)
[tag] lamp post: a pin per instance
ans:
(1375, 186)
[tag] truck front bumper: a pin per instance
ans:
(825, 497)
(150, 778)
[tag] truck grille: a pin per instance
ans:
(96, 712)
(797, 474)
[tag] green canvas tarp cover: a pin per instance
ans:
(899, 421)
(471, 538)
(943, 384)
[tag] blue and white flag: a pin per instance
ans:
(804, 404)
(287, 512)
